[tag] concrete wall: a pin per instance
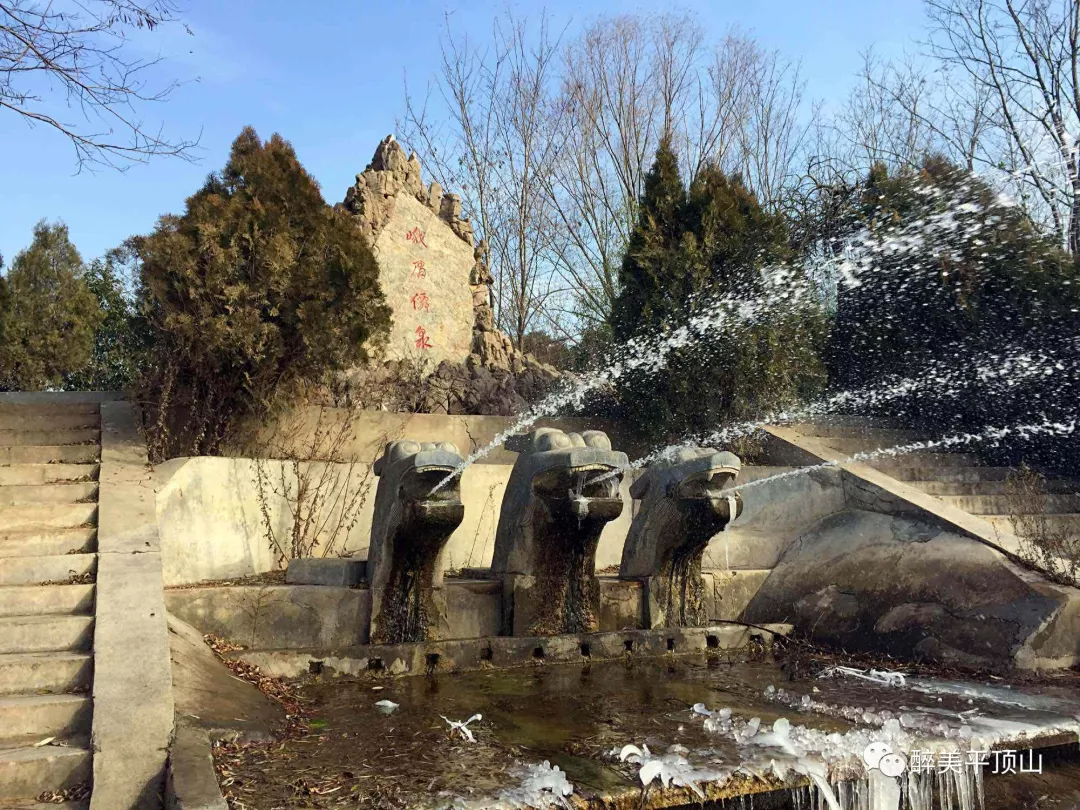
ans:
(212, 526)
(268, 617)
(369, 432)
(774, 515)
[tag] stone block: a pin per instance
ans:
(340, 572)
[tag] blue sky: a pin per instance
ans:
(329, 78)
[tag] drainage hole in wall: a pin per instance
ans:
(374, 664)
(432, 661)
(315, 667)
(585, 651)
(629, 644)
(712, 642)
(487, 654)
(670, 644)
(538, 652)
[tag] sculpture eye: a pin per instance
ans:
(552, 441)
(404, 449)
(449, 447)
(597, 439)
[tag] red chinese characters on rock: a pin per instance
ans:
(422, 339)
(418, 269)
(421, 301)
(416, 236)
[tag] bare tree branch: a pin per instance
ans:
(85, 51)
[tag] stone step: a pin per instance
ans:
(848, 420)
(47, 600)
(999, 504)
(22, 494)
(47, 542)
(50, 454)
(55, 515)
(883, 437)
(939, 460)
(955, 475)
(32, 419)
(28, 771)
(1065, 486)
(27, 474)
(23, 634)
(45, 715)
(851, 446)
(1060, 522)
(48, 672)
(24, 438)
(53, 568)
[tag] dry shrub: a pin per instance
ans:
(1052, 549)
(309, 466)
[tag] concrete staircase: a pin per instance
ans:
(49, 462)
(956, 478)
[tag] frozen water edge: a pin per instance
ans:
(790, 754)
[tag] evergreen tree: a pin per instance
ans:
(690, 249)
(651, 286)
(51, 316)
(121, 339)
(954, 271)
(258, 289)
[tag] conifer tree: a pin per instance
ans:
(690, 249)
(650, 282)
(51, 314)
(257, 290)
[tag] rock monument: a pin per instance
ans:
(558, 500)
(408, 533)
(435, 279)
(683, 505)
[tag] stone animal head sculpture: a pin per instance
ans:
(683, 505)
(408, 534)
(563, 490)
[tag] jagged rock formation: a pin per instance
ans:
(465, 374)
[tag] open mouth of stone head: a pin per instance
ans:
(418, 484)
(707, 484)
(585, 491)
(590, 482)
(705, 490)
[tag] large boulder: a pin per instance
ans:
(871, 582)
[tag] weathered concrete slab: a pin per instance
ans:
(727, 593)
(272, 616)
(208, 697)
(339, 572)
(192, 783)
(875, 582)
(504, 651)
(133, 703)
